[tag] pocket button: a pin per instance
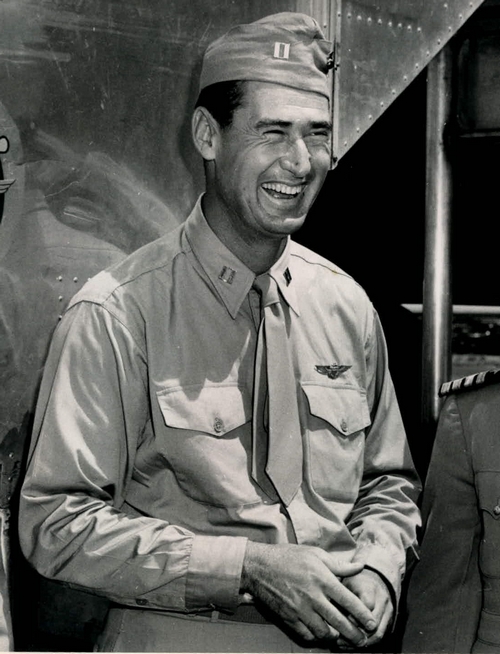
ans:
(218, 426)
(343, 425)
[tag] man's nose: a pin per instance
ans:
(297, 160)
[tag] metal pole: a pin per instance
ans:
(437, 304)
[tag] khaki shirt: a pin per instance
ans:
(139, 484)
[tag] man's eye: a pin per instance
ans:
(318, 139)
(274, 132)
(320, 135)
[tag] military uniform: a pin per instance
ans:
(454, 593)
(163, 426)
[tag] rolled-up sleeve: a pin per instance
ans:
(385, 516)
(91, 415)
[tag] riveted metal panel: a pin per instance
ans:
(96, 157)
(380, 48)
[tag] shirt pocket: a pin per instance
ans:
(488, 487)
(338, 416)
(207, 442)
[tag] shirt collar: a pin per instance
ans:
(280, 272)
(229, 276)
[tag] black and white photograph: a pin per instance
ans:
(250, 326)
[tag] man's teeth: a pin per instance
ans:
(283, 189)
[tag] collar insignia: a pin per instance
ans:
(227, 275)
(333, 371)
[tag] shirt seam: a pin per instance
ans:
(115, 317)
(125, 282)
(173, 389)
(331, 267)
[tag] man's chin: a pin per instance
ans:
(293, 224)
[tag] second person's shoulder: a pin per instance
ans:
(474, 382)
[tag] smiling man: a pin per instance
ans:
(265, 171)
(218, 448)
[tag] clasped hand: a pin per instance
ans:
(303, 586)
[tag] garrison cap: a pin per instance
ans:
(286, 48)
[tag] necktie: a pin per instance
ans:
(283, 442)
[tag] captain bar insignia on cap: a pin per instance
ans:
(281, 50)
(476, 380)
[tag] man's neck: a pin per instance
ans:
(258, 255)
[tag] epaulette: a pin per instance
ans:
(476, 380)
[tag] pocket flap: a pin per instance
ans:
(345, 408)
(212, 409)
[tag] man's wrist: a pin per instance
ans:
(385, 582)
(252, 561)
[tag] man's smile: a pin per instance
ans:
(283, 191)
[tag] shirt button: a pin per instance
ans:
(141, 602)
(343, 425)
(218, 426)
(496, 510)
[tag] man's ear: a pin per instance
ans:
(205, 131)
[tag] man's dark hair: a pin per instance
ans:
(222, 99)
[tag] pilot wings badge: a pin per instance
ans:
(333, 371)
